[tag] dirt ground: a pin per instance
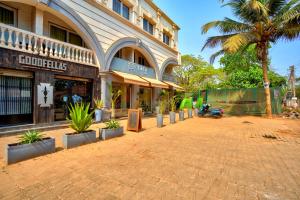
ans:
(230, 158)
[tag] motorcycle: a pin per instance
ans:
(205, 111)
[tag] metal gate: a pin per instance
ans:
(15, 100)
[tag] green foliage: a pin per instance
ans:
(162, 106)
(30, 137)
(80, 118)
(173, 103)
(199, 103)
(186, 103)
(112, 124)
(114, 94)
(243, 70)
(98, 103)
(195, 74)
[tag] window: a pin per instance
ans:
(7, 15)
(58, 33)
(166, 38)
(147, 26)
(120, 8)
(65, 36)
(75, 39)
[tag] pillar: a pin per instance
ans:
(124, 97)
(106, 82)
(135, 96)
(38, 22)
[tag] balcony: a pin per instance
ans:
(125, 66)
(25, 41)
(169, 77)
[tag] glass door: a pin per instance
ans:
(69, 92)
(145, 99)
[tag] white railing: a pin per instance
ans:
(25, 41)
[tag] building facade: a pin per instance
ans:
(57, 52)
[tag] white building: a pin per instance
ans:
(75, 49)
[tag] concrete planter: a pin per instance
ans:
(98, 115)
(181, 115)
(172, 117)
(106, 134)
(18, 152)
(190, 113)
(74, 140)
(160, 120)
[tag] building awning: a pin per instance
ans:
(156, 83)
(132, 79)
(175, 86)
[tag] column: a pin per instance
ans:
(38, 22)
(135, 96)
(105, 93)
(155, 99)
(124, 97)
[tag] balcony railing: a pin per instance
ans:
(132, 68)
(25, 41)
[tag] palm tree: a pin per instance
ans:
(261, 23)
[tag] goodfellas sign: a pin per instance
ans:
(42, 63)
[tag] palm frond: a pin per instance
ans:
(215, 55)
(275, 6)
(216, 40)
(206, 27)
(234, 43)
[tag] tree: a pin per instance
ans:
(243, 70)
(262, 22)
(195, 74)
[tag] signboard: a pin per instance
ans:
(134, 122)
(132, 68)
(42, 63)
(45, 95)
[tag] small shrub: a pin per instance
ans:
(162, 106)
(186, 103)
(112, 124)
(98, 103)
(173, 103)
(30, 137)
(80, 118)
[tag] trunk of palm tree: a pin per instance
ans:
(266, 80)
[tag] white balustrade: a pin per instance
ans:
(25, 41)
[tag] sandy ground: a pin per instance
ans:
(227, 158)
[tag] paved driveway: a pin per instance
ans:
(196, 159)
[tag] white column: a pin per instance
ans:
(135, 96)
(39, 22)
(105, 93)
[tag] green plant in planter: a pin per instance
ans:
(112, 124)
(162, 106)
(30, 137)
(173, 103)
(186, 103)
(114, 95)
(80, 118)
(98, 103)
(199, 103)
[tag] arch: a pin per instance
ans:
(169, 61)
(61, 9)
(133, 43)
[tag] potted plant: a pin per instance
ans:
(187, 103)
(80, 120)
(98, 110)
(173, 102)
(114, 94)
(160, 117)
(198, 105)
(112, 129)
(31, 144)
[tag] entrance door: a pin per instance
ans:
(15, 100)
(67, 92)
(145, 99)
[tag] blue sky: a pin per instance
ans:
(190, 15)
